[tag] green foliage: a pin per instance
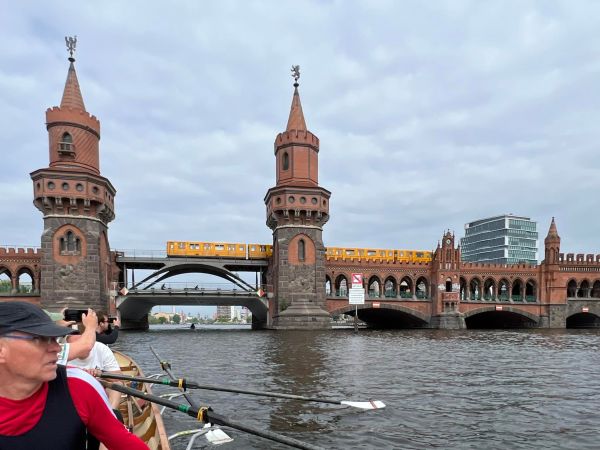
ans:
(162, 320)
(176, 319)
(282, 305)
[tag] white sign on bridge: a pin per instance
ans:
(356, 296)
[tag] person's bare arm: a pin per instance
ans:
(81, 348)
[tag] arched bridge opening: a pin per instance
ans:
(583, 320)
(491, 318)
(388, 317)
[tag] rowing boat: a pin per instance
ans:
(141, 417)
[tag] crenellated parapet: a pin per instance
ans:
(75, 116)
(579, 259)
(20, 251)
(296, 137)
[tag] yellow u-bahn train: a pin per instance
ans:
(218, 250)
(262, 251)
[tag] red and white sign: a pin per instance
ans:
(357, 279)
(498, 307)
(376, 304)
(585, 309)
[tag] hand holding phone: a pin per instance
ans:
(74, 315)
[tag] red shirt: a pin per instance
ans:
(90, 401)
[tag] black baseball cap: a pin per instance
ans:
(28, 318)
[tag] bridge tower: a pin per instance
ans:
(297, 209)
(445, 287)
(77, 204)
(552, 282)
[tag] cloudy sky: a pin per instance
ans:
(430, 114)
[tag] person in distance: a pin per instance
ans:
(44, 406)
(107, 332)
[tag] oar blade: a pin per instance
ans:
(371, 404)
(217, 436)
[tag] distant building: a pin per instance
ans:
(503, 239)
(223, 312)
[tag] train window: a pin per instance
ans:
(241, 248)
(219, 247)
(206, 246)
(252, 248)
(181, 245)
(231, 248)
(350, 252)
(371, 252)
(419, 255)
(262, 248)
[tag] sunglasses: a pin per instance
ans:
(39, 340)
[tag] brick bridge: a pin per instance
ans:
(76, 267)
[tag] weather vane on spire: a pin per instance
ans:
(296, 74)
(71, 44)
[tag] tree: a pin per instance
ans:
(162, 320)
(176, 319)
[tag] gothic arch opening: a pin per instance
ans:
(389, 287)
(503, 290)
(405, 287)
(422, 288)
(489, 289)
(327, 286)
(25, 281)
(584, 289)
(5, 280)
(517, 291)
(531, 291)
(572, 289)
(341, 286)
(374, 287)
(463, 289)
(596, 289)
(475, 288)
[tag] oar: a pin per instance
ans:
(211, 436)
(183, 384)
(206, 415)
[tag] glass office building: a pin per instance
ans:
(503, 239)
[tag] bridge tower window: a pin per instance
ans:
(286, 161)
(70, 244)
(301, 250)
(65, 144)
(448, 285)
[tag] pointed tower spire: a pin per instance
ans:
(552, 244)
(72, 94)
(296, 119)
(552, 232)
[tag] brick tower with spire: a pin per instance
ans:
(552, 281)
(297, 209)
(77, 204)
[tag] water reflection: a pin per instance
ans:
(463, 389)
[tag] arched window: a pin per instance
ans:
(448, 285)
(286, 161)
(301, 250)
(66, 144)
(70, 244)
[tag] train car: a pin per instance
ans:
(206, 249)
(359, 254)
(418, 256)
(259, 251)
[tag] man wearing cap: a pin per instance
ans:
(42, 405)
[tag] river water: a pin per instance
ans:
(468, 389)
